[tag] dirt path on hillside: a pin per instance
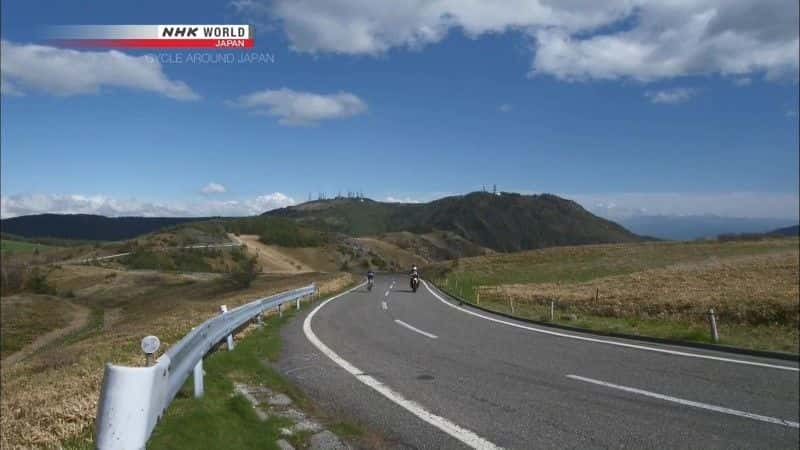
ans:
(270, 258)
(79, 319)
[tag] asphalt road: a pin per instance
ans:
(429, 374)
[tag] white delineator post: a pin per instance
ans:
(198, 379)
(552, 310)
(712, 322)
(224, 309)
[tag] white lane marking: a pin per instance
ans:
(462, 434)
(386, 294)
(605, 341)
(413, 328)
(384, 306)
(719, 409)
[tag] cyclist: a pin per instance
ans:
(370, 279)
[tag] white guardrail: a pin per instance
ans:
(133, 399)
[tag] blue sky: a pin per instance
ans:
(625, 106)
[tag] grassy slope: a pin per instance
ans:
(659, 289)
(23, 318)
(64, 378)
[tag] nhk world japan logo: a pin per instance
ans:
(154, 36)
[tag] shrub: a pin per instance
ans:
(37, 283)
(244, 274)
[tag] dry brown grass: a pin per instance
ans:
(26, 317)
(53, 394)
(755, 290)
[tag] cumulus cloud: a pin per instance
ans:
(24, 204)
(213, 188)
(295, 108)
(725, 204)
(671, 96)
(64, 72)
(573, 40)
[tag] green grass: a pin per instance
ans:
(13, 247)
(221, 419)
(224, 420)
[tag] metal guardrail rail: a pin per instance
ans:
(133, 399)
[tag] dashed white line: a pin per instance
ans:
(413, 328)
(386, 294)
(606, 341)
(706, 406)
(384, 306)
(462, 434)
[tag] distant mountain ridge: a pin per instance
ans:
(697, 226)
(793, 230)
(505, 222)
(88, 226)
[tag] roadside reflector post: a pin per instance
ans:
(511, 304)
(298, 303)
(149, 346)
(260, 319)
(478, 298)
(223, 309)
(552, 310)
(198, 379)
(712, 322)
(280, 310)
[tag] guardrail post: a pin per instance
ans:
(712, 321)
(198, 379)
(223, 310)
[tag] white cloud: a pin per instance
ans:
(295, 108)
(391, 199)
(573, 40)
(505, 107)
(24, 204)
(671, 96)
(725, 204)
(64, 72)
(213, 188)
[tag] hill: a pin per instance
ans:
(87, 226)
(506, 222)
(787, 231)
